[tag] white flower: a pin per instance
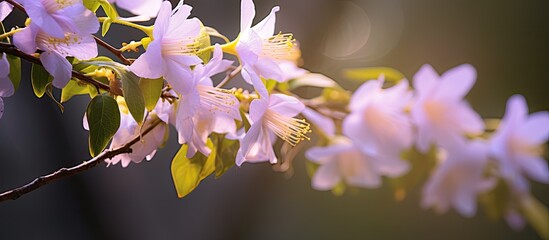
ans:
(148, 8)
(441, 115)
(345, 162)
(6, 86)
(459, 179)
(377, 123)
(5, 10)
(517, 145)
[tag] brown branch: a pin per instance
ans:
(113, 50)
(12, 50)
(230, 75)
(67, 172)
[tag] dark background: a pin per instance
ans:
(507, 41)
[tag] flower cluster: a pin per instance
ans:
(387, 128)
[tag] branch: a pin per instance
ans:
(113, 50)
(12, 50)
(229, 76)
(67, 172)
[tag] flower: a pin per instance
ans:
(6, 86)
(259, 49)
(5, 10)
(56, 18)
(204, 109)
(173, 49)
(147, 8)
(459, 179)
(378, 123)
(439, 112)
(325, 124)
(270, 116)
(55, 50)
(517, 145)
(343, 161)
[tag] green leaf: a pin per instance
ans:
(40, 79)
(92, 5)
(106, 26)
(226, 153)
(204, 42)
(104, 120)
(109, 9)
(73, 88)
(365, 74)
(15, 70)
(421, 165)
(152, 89)
(132, 94)
(313, 80)
(187, 173)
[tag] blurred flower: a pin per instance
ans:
(5, 10)
(377, 123)
(345, 162)
(323, 123)
(459, 179)
(147, 8)
(517, 145)
(173, 49)
(441, 115)
(56, 18)
(258, 47)
(204, 108)
(270, 116)
(6, 86)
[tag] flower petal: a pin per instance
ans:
(58, 67)
(162, 22)
(326, 177)
(150, 64)
(457, 81)
(285, 105)
(5, 10)
(425, 79)
(247, 14)
(266, 27)
(6, 86)
(250, 139)
(323, 123)
(536, 128)
(25, 40)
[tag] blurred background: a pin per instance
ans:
(507, 42)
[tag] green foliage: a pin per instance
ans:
(92, 5)
(365, 74)
(421, 165)
(204, 42)
(73, 88)
(15, 70)
(40, 79)
(106, 26)
(226, 153)
(111, 12)
(132, 94)
(152, 90)
(187, 173)
(104, 120)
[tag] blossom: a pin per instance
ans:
(378, 122)
(459, 179)
(6, 86)
(5, 10)
(173, 49)
(323, 123)
(271, 116)
(343, 161)
(517, 145)
(204, 109)
(147, 8)
(56, 18)
(439, 112)
(258, 48)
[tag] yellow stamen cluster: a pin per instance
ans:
(187, 46)
(59, 44)
(52, 6)
(289, 129)
(218, 99)
(280, 46)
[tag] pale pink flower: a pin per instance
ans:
(204, 109)
(322, 123)
(258, 48)
(5, 10)
(441, 115)
(378, 123)
(459, 179)
(173, 49)
(148, 8)
(517, 145)
(344, 162)
(271, 116)
(6, 86)
(56, 18)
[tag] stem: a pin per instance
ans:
(12, 50)
(113, 50)
(230, 76)
(67, 172)
(147, 30)
(14, 31)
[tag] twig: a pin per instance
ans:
(230, 76)
(12, 50)
(67, 172)
(113, 50)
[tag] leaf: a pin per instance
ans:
(313, 80)
(104, 120)
(152, 89)
(132, 94)
(226, 153)
(204, 42)
(15, 70)
(421, 165)
(49, 93)
(365, 74)
(40, 79)
(188, 173)
(92, 5)
(73, 88)
(106, 26)
(109, 9)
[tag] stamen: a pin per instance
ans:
(280, 47)
(219, 100)
(58, 45)
(289, 129)
(53, 6)
(181, 46)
